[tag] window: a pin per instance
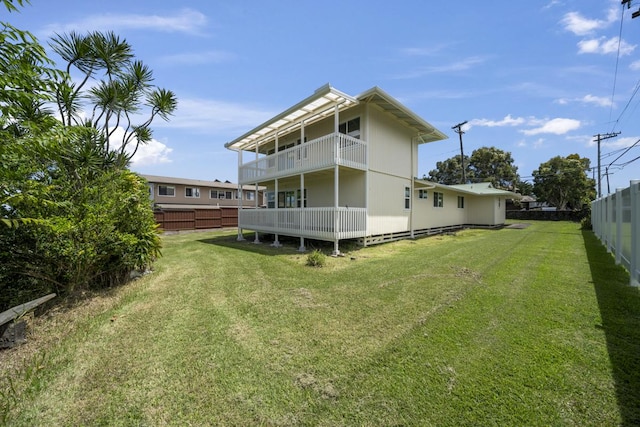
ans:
(271, 199)
(461, 202)
(438, 199)
(250, 195)
(166, 190)
(351, 128)
(219, 194)
(287, 199)
(422, 194)
(192, 192)
(407, 197)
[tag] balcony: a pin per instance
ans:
(314, 223)
(321, 153)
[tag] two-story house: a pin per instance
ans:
(336, 167)
(181, 203)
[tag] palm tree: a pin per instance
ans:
(121, 90)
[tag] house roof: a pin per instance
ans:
(195, 182)
(425, 131)
(319, 105)
(485, 189)
(322, 104)
(477, 189)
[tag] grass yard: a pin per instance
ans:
(532, 326)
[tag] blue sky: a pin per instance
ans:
(536, 78)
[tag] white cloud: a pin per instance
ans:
(557, 126)
(600, 101)
(538, 143)
(193, 58)
(605, 46)
(581, 26)
(185, 21)
(597, 100)
(620, 142)
(507, 121)
(425, 51)
(461, 65)
(152, 153)
(635, 65)
(206, 115)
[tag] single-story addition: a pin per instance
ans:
(337, 167)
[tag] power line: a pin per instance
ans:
(635, 91)
(615, 74)
(601, 138)
(625, 152)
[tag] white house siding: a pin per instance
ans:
(320, 188)
(487, 210)
(386, 204)
(428, 216)
(389, 145)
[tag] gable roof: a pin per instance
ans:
(477, 189)
(322, 104)
(485, 189)
(319, 105)
(425, 132)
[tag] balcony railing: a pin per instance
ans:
(320, 153)
(315, 223)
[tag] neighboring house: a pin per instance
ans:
(179, 193)
(336, 167)
(189, 204)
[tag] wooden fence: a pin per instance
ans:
(196, 219)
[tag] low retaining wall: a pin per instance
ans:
(548, 215)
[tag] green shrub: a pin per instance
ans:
(316, 259)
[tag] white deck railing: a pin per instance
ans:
(313, 155)
(315, 223)
(616, 222)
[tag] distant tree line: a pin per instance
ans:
(561, 181)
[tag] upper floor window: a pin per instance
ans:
(250, 195)
(192, 192)
(351, 128)
(166, 190)
(461, 202)
(422, 194)
(220, 194)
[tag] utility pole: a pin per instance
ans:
(602, 137)
(458, 129)
(628, 3)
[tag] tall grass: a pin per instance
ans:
(478, 328)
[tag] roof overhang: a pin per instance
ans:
(481, 189)
(425, 132)
(315, 107)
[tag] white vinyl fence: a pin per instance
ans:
(616, 222)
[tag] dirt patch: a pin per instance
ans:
(518, 226)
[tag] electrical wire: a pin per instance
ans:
(635, 92)
(615, 74)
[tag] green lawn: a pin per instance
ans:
(532, 326)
